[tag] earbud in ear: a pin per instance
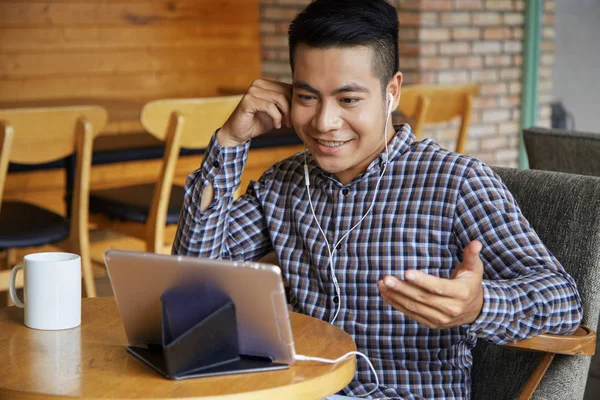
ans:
(390, 102)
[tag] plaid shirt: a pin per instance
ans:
(431, 203)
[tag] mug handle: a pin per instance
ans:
(12, 288)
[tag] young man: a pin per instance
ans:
(413, 250)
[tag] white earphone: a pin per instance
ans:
(332, 253)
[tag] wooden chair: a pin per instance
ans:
(430, 104)
(41, 135)
(143, 211)
(564, 210)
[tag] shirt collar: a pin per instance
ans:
(399, 145)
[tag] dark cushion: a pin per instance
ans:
(563, 151)
(25, 225)
(132, 203)
(564, 210)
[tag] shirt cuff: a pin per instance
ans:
(223, 166)
(495, 312)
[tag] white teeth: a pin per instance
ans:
(330, 144)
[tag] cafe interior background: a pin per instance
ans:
(121, 54)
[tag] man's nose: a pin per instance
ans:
(327, 117)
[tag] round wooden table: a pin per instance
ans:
(91, 362)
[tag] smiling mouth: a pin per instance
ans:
(330, 144)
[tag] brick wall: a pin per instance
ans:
(450, 41)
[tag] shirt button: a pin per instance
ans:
(339, 247)
(345, 191)
(336, 300)
(216, 164)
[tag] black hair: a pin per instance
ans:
(346, 23)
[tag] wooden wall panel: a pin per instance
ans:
(133, 49)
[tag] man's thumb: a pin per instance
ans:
(471, 258)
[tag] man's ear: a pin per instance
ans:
(395, 88)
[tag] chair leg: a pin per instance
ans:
(88, 272)
(536, 376)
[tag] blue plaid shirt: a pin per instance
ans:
(430, 205)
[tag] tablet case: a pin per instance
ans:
(199, 336)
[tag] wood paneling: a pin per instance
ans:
(120, 49)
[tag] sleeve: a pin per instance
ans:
(227, 229)
(526, 290)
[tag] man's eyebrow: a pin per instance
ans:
(305, 86)
(352, 87)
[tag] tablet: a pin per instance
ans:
(256, 290)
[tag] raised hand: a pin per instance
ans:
(265, 106)
(436, 302)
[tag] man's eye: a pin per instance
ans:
(305, 97)
(349, 100)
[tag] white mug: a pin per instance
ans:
(52, 290)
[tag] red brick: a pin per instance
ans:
(497, 33)
(520, 5)
(487, 18)
(409, 49)
(547, 45)
(508, 128)
(434, 35)
(514, 19)
(510, 101)
(512, 46)
(510, 73)
(502, 5)
(409, 18)
(454, 48)
(514, 88)
(429, 49)
(435, 63)
(468, 4)
(495, 115)
(453, 77)
(547, 59)
(545, 72)
(485, 102)
(493, 88)
(480, 131)
(517, 33)
(484, 76)
(466, 33)
(468, 62)
(436, 5)
(548, 33)
(548, 19)
(455, 18)
(493, 143)
(518, 60)
(411, 34)
(487, 47)
(498, 61)
(549, 5)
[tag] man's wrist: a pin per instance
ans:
(225, 139)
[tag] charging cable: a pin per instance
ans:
(300, 357)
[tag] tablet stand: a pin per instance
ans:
(209, 347)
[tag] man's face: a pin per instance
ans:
(338, 108)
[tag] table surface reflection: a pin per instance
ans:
(90, 362)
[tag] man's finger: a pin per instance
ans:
(471, 258)
(422, 313)
(431, 284)
(444, 304)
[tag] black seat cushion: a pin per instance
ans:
(132, 203)
(25, 225)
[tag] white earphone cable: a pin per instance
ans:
(331, 253)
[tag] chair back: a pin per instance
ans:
(180, 123)
(201, 117)
(564, 210)
(430, 104)
(41, 135)
(563, 151)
